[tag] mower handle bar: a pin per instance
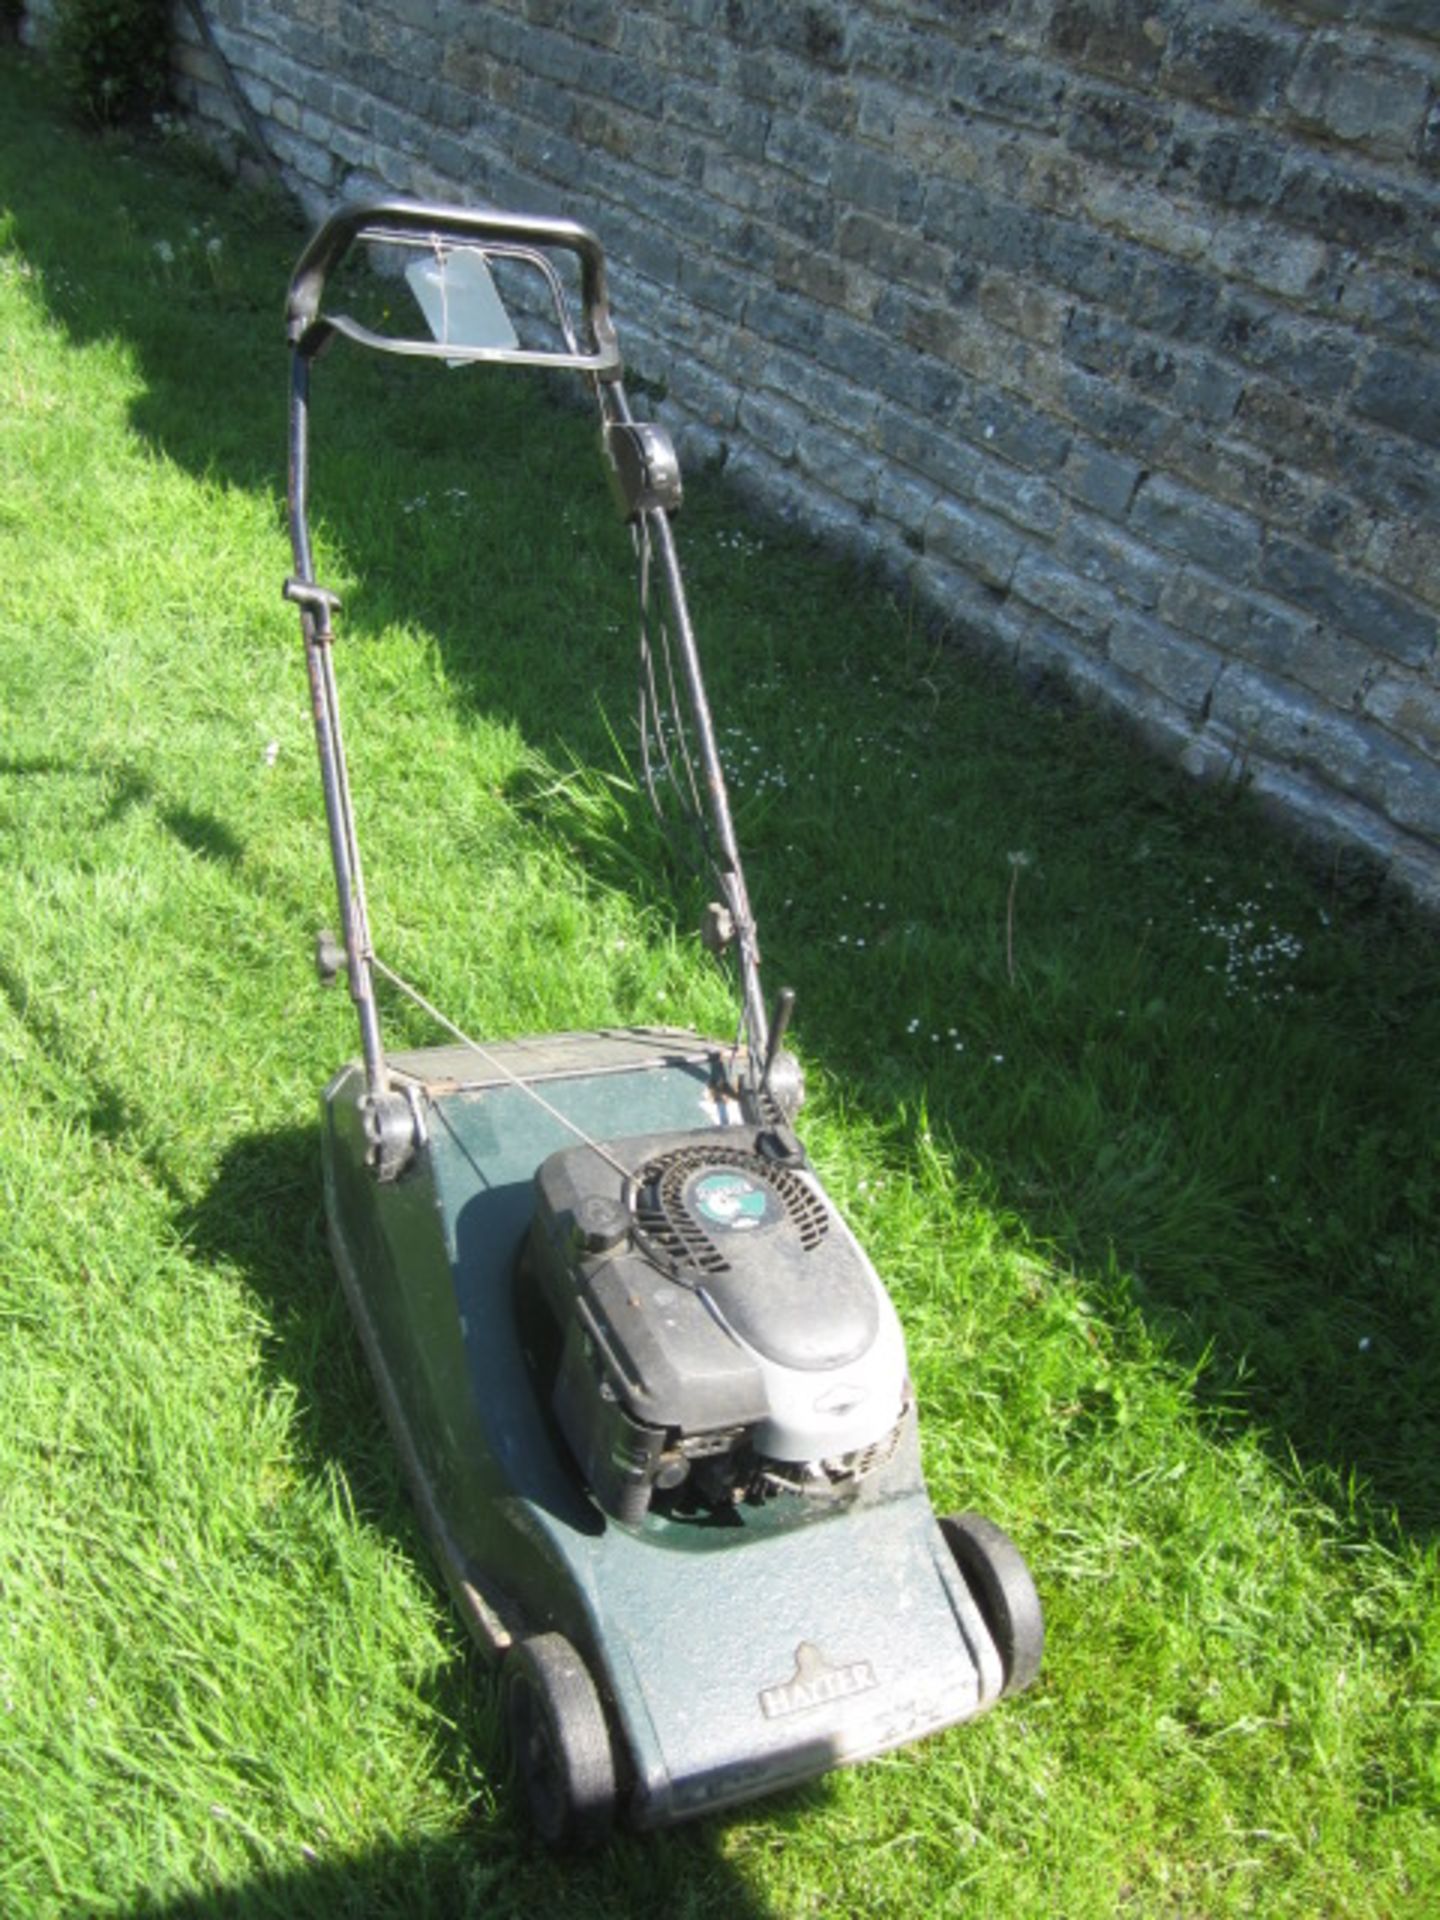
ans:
(415, 221)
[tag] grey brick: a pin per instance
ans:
(1405, 554)
(936, 328)
(893, 252)
(1084, 261)
(1244, 477)
(1427, 144)
(904, 501)
(304, 41)
(283, 74)
(597, 20)
(1420, 17)
(287, 113)
(1022, 498)
(1022, 93)
(553, 57)
(1119, 37)
(736, 183)
(1183, 521)
(1082, 604)
(549, 154)
(786, 319)
(1317, 581)
(815, 275)
(313, 163)
(1169, 298)
(771, 81)
(1205, 388)
(1266, 634)
(1229, 60)
(1349, 752)
(833, 105)
(1112, 415)
(1340, 525)
(981, 227)
(1102, 479)
(1347, 209)
(835, 462)
(1402, 390)
(350, 149)
(1288, 427)
(1026, 436)
(1097, 340)
(772, 423)
(817, 33)
(821, 391)
(1359, 95)
(985, 546)
(1297, 267)
(1410, 707)
(920, 62)
(1156, 654)
(917, 381)
(1302, 800)
(1319, 360)
(1120, 128)
(1100, 552)
(949, 462)
(1398, 478)
(1020, 307)
(1235, 168)
(713, 283)
(415, 13)
(1048, 651)
(792, 143)
(876, 183)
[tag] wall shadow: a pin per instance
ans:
(213, 368)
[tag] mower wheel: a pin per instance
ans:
(559, 1742)
(1004, 1592)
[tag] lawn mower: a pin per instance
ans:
(649, 1393)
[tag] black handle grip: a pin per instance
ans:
(392, 219)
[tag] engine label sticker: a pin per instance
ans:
(815, 1684)
(732, 1201)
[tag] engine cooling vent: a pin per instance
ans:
(734, 1189)
(822, 1477)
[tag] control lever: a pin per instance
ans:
(784, 1007)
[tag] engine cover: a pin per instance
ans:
(717, 1318)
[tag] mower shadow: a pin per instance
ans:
(214, 428)
(456, 1880)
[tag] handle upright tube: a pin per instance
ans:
(325, 710)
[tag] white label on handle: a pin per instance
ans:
(460, 301)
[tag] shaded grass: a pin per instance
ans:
(1139, 1216)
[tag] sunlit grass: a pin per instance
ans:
(1135, 1114)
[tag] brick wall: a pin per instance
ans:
(1114, 325)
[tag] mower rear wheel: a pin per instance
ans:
(559, 1742)
(1000, 1581)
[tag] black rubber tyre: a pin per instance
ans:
(559, 1742)
(1004, 1592)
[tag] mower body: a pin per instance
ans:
(649, 1392)
(737, 1644)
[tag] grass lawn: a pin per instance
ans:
(1134, 1110)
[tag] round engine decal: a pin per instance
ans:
(732, 1201)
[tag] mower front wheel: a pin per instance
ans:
(559, 1742)
(1004, 1592)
